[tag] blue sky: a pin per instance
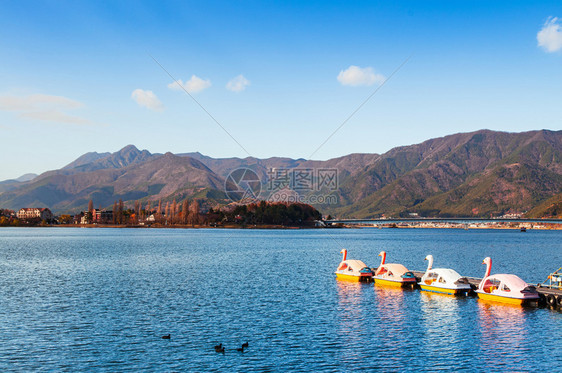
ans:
(78, 77)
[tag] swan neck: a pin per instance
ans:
(429, 264)
(488, 268)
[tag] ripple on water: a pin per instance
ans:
(100, 299)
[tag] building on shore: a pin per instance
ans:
(98, 217)
(77, 219)
(27, 213)
(102, 216)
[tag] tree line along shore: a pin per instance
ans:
(173, 214)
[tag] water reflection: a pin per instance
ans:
(441, 320)
(390, 302)
(352, 320)
(349, 297)
(504, 334)
(392, 311)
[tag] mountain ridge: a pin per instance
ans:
(478, 173)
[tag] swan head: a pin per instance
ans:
(487, 260)
(429, 257)
(343, 251)
(382, 253)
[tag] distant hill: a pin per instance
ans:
(93, 161)
(8, 185)
(551, 208)
(85, 159)
(475, 174)
(14, 183)
(26, 177)
(469, 174)
(124, 177)
(346, 165)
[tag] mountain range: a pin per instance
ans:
(478, 174)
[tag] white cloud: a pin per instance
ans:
(55, 116)
(550, 36)
(237, 84)
(355, 76)
(33, 102)
(147, 99)
(193, 85)
(43, 107)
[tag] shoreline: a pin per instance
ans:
(480, 225)
(496, 226)
(229, 226)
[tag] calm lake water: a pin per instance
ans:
(100, 299)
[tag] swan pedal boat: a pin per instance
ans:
(353, 270)
(443, 280)
(393, 274)
(505, 288)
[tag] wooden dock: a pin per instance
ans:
(548, 297)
